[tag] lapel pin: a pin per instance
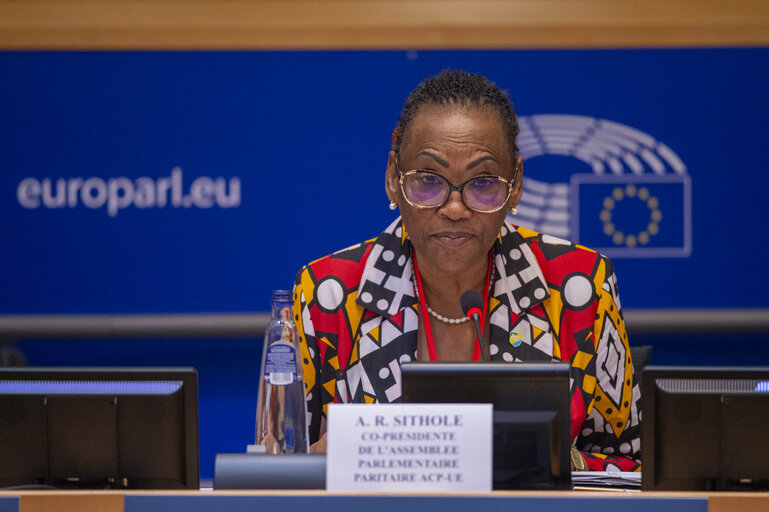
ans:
(515, 338)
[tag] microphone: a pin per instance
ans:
(472, 307)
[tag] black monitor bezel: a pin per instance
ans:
(187, 375)
(649, 391)
(462, 382)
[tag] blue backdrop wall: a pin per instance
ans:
(197, 182)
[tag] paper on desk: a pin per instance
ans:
(624, 479)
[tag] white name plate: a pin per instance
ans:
(409, 447)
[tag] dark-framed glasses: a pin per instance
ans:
(428, 189)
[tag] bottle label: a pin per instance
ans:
(280, 365)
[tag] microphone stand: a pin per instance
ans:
(472, 305)
(476, 322)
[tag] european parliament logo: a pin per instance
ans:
(636, 202)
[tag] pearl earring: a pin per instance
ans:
(393, 206)
(514, 211)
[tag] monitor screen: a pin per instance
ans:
(705, 428)
(531, 414)
(120, 428)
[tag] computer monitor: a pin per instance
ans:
(531, 402)
(121, 428)
(705, 428)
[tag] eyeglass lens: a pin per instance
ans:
(483, 193)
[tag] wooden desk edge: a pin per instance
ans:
(113, 501)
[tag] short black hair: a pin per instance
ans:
(454, 87)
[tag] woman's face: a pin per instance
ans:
(457, 143)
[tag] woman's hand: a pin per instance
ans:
(578, 462)
(320, 446)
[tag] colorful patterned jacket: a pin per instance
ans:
(358, 316)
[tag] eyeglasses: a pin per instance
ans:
(428, 189)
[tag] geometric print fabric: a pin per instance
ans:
(358, 318)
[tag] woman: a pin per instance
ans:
(454, 173)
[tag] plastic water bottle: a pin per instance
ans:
(281, 411)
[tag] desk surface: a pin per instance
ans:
(236, 501)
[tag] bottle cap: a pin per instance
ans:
(281, 296)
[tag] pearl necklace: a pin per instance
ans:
(438, 316)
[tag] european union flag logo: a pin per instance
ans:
(632, 216)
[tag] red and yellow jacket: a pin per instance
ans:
(550, 300)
